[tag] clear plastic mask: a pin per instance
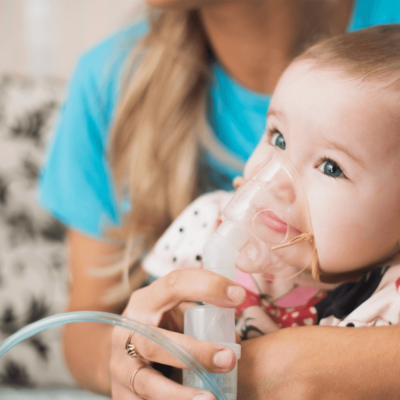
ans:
(272, 211)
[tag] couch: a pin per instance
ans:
(33, 259)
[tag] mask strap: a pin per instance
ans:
(315, 266)
(309, 237)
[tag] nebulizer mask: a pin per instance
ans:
(267, 225)
(272, 210)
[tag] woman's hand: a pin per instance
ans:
(324, 363)
(148, 306)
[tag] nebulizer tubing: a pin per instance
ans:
(116, 320)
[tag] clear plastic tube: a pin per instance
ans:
(113, 319)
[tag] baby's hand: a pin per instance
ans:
(255, 322)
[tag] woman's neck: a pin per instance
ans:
(255, 40)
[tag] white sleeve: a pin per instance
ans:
(181, 245)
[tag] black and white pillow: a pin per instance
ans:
(33, 273)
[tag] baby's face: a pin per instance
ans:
(343, 137)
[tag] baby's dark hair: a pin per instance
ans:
(370, 54)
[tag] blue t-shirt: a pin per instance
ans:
(76, 184)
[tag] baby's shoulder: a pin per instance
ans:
(373, 300)
(181, 245)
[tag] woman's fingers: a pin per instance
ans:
(147, 383)
(148, 304)
(152, 385)
(213, 357)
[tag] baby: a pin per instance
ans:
(334, 114)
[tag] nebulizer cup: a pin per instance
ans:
(271, 215)
(217, 325)
(266, 229)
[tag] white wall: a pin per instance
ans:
(45, 37)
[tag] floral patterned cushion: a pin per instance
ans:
(33, 273)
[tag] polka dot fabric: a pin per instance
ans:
(181, 245)
(303, 315)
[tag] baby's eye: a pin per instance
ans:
(330, 168)
(278, 140)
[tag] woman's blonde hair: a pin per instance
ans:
(154, 140)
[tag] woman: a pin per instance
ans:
(189, 113)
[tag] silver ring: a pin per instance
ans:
(133, 377)
(130, 348)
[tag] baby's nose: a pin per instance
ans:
(284, 192)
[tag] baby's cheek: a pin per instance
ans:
(354, 222)
(332, 233)
(320, 210)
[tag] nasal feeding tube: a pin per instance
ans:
(267, 228)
